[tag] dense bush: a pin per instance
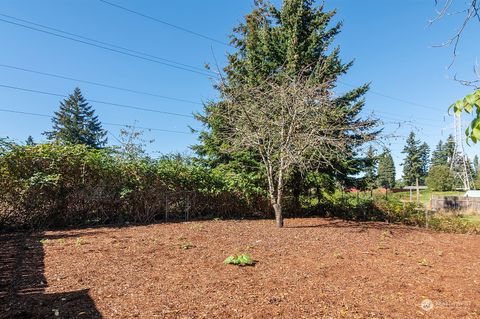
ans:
(59, 185)
(440, 178)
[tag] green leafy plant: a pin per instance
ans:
(469, 104)
(44, 241)
(239, 260)
(80, 241)
(424, 263)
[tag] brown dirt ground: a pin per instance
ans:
(313, 268)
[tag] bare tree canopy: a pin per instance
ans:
(292, 122)
(469, 11)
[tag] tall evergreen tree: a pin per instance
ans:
(29, 141)
(439, 156)
(475, 166)
(76, 123)
(415, 165)
(276, 43)
(386, 170)
(449, 148)
(371, 162)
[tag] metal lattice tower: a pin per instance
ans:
(459, 162)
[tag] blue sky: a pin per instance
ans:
(390, 41)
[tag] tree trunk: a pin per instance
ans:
(278, 215)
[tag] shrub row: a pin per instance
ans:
(62, 185)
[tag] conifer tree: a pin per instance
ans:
(439, 156)
(449, 148)
(29, 141)
(475, 166)
(386, 170)
(76, 123)
(415, 165)
(371, 161)
(281, 43)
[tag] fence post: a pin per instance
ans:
(426, 218)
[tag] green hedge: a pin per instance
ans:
(62, 185)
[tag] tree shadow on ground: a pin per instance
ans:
(362, 225)
(23, 284)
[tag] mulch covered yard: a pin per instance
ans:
(313, 268)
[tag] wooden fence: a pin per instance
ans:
(463, 203)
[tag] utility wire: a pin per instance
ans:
(105, 123)
(100, 84)
(392, 97)
(110, 47)
(164, 22)
(97, 101)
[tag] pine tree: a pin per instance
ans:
(371, 161)
(449, 148)
(386, 170)
(76, 123)
(415, 165)
(277, 43)
(29, 141)
(475, 167)
(439, 155)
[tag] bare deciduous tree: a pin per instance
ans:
(291, 123)
(470, 11)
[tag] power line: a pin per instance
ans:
(105, 123)
(105, 46)
(392, 97)
(99, 84)
(97, 101)
(164, 22)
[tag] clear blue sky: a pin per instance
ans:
(390, 41)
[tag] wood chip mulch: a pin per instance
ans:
(312, 268)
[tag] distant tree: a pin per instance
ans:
(76, 123)
(386, 170)
(439, 156)
(415, 164)
(449, 148)
(29, 141)
(6, 144)
(440, 178)
(371, 161)
(132, 143)
(475, 164)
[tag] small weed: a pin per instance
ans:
(217, 219)
(424, 262)
(186, 246)
(61, 241)
(239, 260)
(80, 241)
(387, 233)
(44, 241)
(338, 255)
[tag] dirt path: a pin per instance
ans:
(313, 268)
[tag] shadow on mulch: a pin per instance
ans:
(23, 284)
(340, 223)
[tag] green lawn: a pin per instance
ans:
(425, 195)
(474, 219)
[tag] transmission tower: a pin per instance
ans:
(459, 162)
